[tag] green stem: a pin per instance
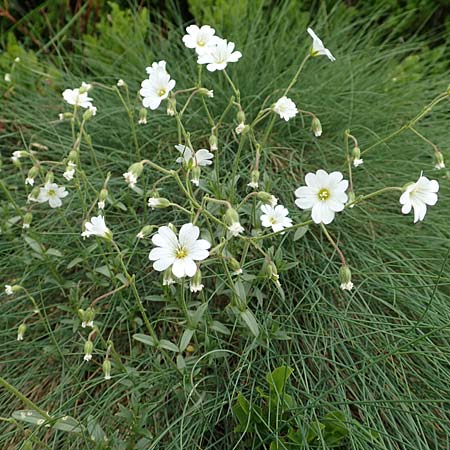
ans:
(334, 244)
(373, 194)
(297, 74)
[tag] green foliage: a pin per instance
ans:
(277, 415)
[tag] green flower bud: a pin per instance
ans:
(356, 153)
(33, 172)
(240, 116)
(267, 198)
(21, 331)
(106, 366)
(195, 175)
(213, 142)
(27, 218)
(158, 202)
(49, 177)
(316, 126)
(142, 116)
(231, 216)
(345, 277)
(235, 266)
(103, 194)
(88, 349)
(196, 282)
(439, 160)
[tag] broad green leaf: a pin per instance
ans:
(54, 252)
(167, 345)
(277, 379)
(65, 423)
(300, 232)
(34, 245)
(95, 431)
(250, 320)
(145, 339)
(186, 338)
(219, 327)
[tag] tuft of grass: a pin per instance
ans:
(379, 354)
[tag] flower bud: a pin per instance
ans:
(172, 107)
(357, 161)
(158, 202)
(145, 231)
(89, 316)
(134, 171)
(49, 177)
(213, 142)
(106, 366)
(439, 160)
(240, 116)
(254, 177)
(235, 266)
(7, 77)
(10, 290)
(32, 174)
(195, 175)
(267, 198)
(272, 272)
(196, 282)
(103, 194)
(231, 216)
(142, 116)
(34, 194)
(172, 227)
(206, 92)
(21, 331)
(85, 87)
(66, 115)
(345, 277)
(27, 218)
(167, 277)
(121, 83)
(88, 349)
(91, 111)
(316, 126)
(351, 198)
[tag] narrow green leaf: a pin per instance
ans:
(145, 339)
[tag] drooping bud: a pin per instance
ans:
(351, 198)
(206, 92)
(106, 366)
(145, 231)
(27, 218)
(21, 331)
(133, 173)
(88, 349)
(267, 198)
(49, 177)
(196, 282)
(316, 126)
(32, 174)
(195, 175)
(231, 218)
(357, 161)
(254, 179)
(235, 266)
(272, 272)
(102, 196)
(158, 202)
(345, 277)
(34, 194)
(91, 111)
(213, 142)
(142, 116)
(10, 290)
(439, 160)
(240, 116)
(168, 277)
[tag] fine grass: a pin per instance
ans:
(379, 354)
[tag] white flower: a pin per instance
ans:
(96, 227)
(29, 181)
(201, 157)
(324, 194)
(61, 116)
(16, 156)
(347, 286)
(439, 165)
(68, 174)
(130, 179)
(219, 55)
(87, 357)
(8, 77)
(236, 229)
(277, 217)
(240, 128)
(120, 83)
(196, 287)
(93, 110)
(142, 121)
(25, 226)
(101, 204)
(253, 184)
(74, 97)
(140, 235)
(357, 162)
(52, 194)
(199, 38)
(8, 289)
(273, 200)
(85, 86)
(210, 93)
(153, 202)
(418, 195)
(157, 87)
(318, 48)
(286, 108)
(179, 252)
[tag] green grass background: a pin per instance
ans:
(379, 353)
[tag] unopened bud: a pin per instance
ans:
(88, 349)
(254, 179)
(272, 272)
(158, 202)
(21, 331)
(439, 160)
(34, 194)
(267, 198)
(206, 92)
(142, 116)
(316, 126)
(102, 196)
(145, 231)
(106, 366)
(172, 107)
(91, 111)
(345, 277)
(231, 216)
(49, 177)
(196, 282)
(10, 290)
(235, 266)
(240, 116)
(195, 175)
(351, 199)
(213, 142)
(168, 277)
(27, 218)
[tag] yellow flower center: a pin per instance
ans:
(51, 192)
(181, 252)
(272, 220)
(162, 92)
(324, 194)
(201, 43)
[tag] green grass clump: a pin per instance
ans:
(378, 354)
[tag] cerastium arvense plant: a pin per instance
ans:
(227, 227)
